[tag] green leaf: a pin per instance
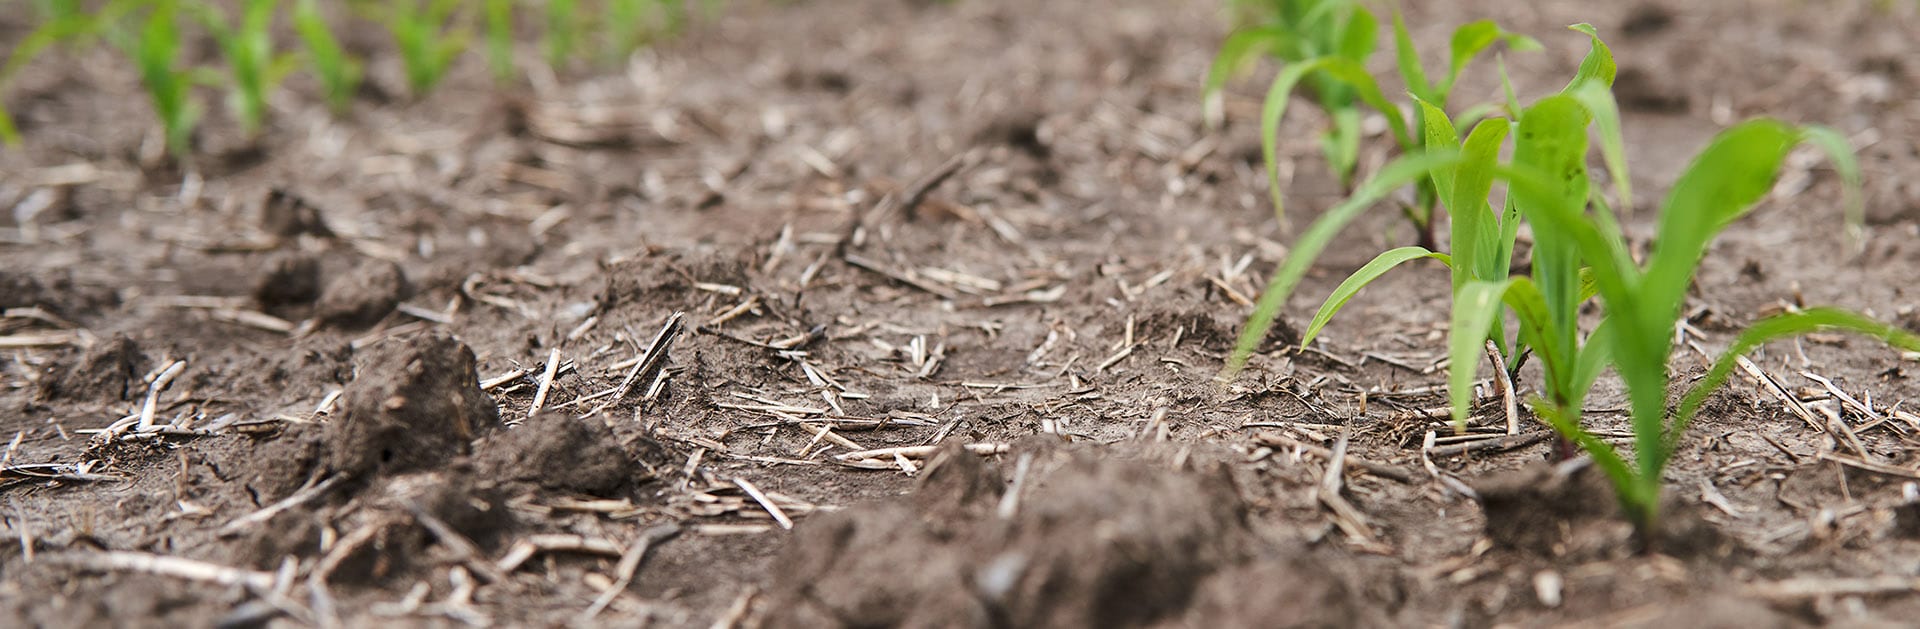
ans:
(1723, 183)
(1409, 61)
(1599, 65)
(1593, 359)
(1475, 232)
(1629, 486)
(1475, 307)
(1506, 87)
(1341, 144)
(1553, 140)
(1271, 112)
(1360, 36)
(1399, 172)
(1537, 330)
(1599, 102)
(1840, 152)
(1355, 74)
(1345, 292)
(1775, 328)
(1473, 38)
(1240, 48)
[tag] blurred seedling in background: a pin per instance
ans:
(428, 36)
(61, 22)
(254, 70)
(1323, 47)
(154, 47)
(339, 75)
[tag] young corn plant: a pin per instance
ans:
(1461, 176)
(1643, 302)
(60, 22)
(253, 69)
(154, 48)
(1323, 46)
(339, 74)
(499, 25)
(631, 23)
(563, 20)
(428, 38)
(1579, 254)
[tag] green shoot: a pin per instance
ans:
(1578, 254)
(253, 69)
(428, 42)
(155, 49)
(562, 21)
(1324, 46)
(61, 21)
(339, 74)
(499, 22)
(632, 22)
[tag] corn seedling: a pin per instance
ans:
(427, 38)
(155, 48)
(253, 70)
(339, 74)
(1642, 302)
(563, 19)
(630, 23)
(60, 22)
(1323, 46)
(499, 25)
(1460, 175)
(1578, 254)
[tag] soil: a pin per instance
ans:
(407, 367)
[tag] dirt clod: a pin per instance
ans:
(273, 466)
(1295, 591)
(561, 452)
(286, 215)
(416, 403)
(665, 278)
(288, 280)
(110, 370)
(1536, 509)
(363, 296)
(1099, 542)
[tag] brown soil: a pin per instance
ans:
(990, 223)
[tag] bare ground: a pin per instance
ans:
(994, 225)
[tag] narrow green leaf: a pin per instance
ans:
(1341, 144)
(1473, 38)
(1840, 152)
(1271, 112)
(1594, 357)
(1360, 36)
(1408, 59)
(1723, 183)
(1775, 328)
(1506, 87)
(1354, 74)
(1399, 172)
(1475, 232)
(1553, 140)
(1345, 292)
(1599, 102)
(1438, 133)
(1629, 486)
(1599, 65)
(1240, 48)
(1475, 307)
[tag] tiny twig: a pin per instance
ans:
(629, 564)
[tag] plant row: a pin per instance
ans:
(262, 42)
(1525, 167)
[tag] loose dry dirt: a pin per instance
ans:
(408, 367)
